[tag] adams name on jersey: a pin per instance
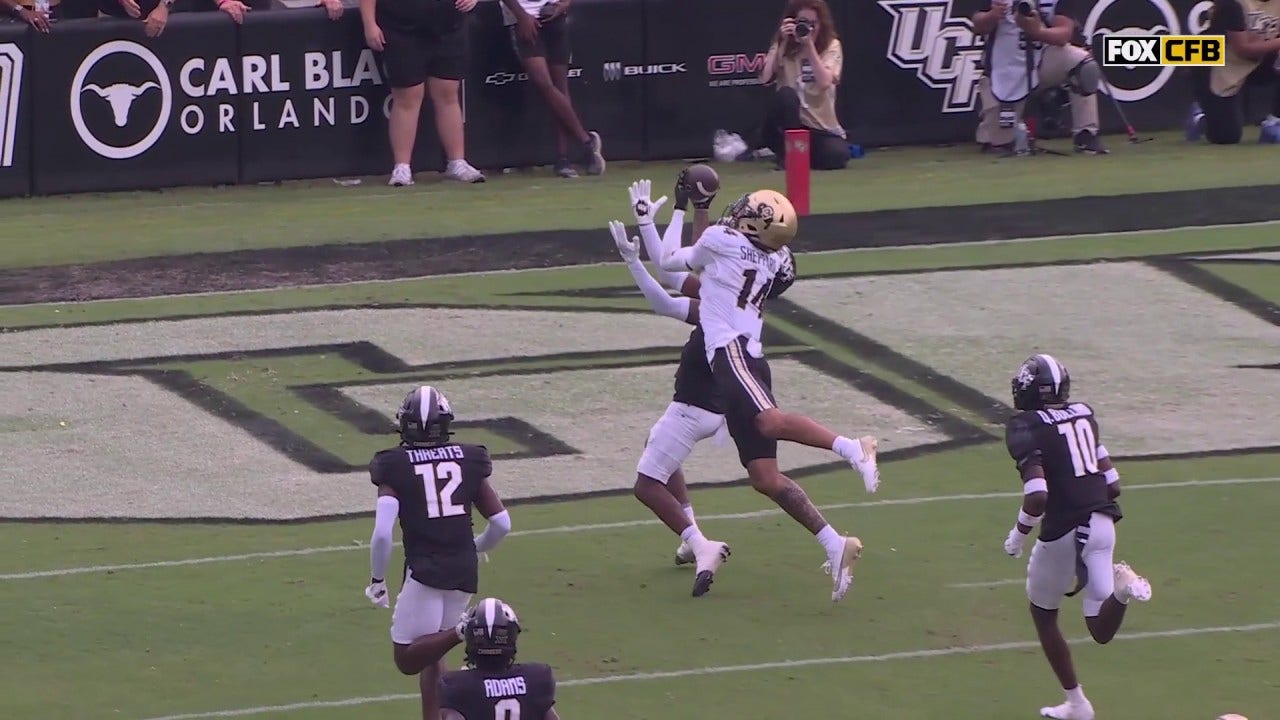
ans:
(1066, 444)
(523, 690)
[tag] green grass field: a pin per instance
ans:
(185, 620)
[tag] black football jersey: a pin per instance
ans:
(694, 383)
(437, 487)
(525, 691)
(1064, 442)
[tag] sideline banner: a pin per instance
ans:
(119, 110)
(15, 110)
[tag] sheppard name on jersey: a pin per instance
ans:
(1053, 415)
(426, 455)
(759, 257)
(504, 687)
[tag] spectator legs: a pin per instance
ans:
(444, 98)
(406, 103)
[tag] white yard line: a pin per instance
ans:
(724, 669)
(567, 529)
(988, 583)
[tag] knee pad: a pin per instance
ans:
(1085, 78)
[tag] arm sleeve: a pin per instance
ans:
(653, 246)
(662, 303)
(695, 257)
(498, 527)
(380, 544)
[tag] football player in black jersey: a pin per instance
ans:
(694, 413)
(431, 484)
(492, 686)
(1069, 485)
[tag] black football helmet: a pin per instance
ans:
(491, 635)
(786, 275)
(1041, 381)
(424, 417)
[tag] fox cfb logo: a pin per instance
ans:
(1163, 50)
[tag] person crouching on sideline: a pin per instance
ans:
(424, 49)
(1003, 90)
(804, 65)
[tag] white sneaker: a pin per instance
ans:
(867, 466)
(841, 568)
(462, 171)
(684, 554)
(710, 556)
(1069, 711)
(401, 176)
(1130, 585)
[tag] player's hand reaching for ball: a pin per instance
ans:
(629, 249)
(642, 205)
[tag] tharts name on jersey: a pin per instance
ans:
(435, 454)
(505, 687)
(1163, 50)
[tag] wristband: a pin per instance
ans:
(1029, 520)
(1112, 476)
(375, 581)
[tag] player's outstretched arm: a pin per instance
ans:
(662, 303)
(490, 505)
(1020, 441)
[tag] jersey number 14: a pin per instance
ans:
(1082, 445)
(746, 298)
(440, 499)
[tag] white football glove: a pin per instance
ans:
(629, 249)
(463, 621)
(377, 594)
(644, 207)
(1014, 542)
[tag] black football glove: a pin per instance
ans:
(681, 193)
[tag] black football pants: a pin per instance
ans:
(1224, 117)
(826, 150)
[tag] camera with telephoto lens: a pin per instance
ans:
(1025, 9)
(803, 28)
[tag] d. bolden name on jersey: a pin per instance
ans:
(259, 77)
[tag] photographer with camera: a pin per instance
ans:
(1011, 74)
(1251, 28)
(804, 64)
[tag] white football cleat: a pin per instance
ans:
(1130, 585)
(684, 554)
(1069, 711)
(841, 569)
(710, 556)
(867, 465)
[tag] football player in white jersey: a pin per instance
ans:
(694, 413)
(737, 261)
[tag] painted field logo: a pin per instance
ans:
(1163, 50)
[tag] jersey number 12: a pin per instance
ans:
(1082, 445)
(440, 499)
(745, 298)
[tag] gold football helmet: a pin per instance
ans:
(764, 216)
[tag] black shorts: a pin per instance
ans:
(552, 42)
(412, 55)
(745, 386)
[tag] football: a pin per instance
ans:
(702, 182)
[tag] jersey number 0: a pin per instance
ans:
(1082, 446)
(508, 709)
(440, 499)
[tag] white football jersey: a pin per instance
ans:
(736, 276)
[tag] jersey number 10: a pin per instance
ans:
(440, 499)
(1082, 445)
(745, 297)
